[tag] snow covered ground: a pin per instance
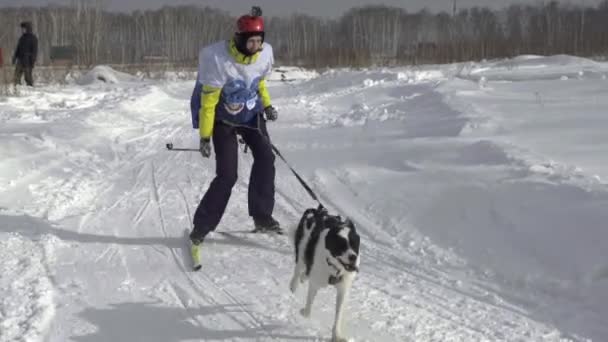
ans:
(479, 190)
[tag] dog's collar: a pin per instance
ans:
(333, 280)
(346, 267)
(337, 278)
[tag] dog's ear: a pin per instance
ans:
(333, 222)
(321, 210)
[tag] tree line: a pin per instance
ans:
(363, 36)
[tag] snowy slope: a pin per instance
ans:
(479, 196)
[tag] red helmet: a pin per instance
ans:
(249, 23)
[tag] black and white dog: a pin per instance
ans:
(326, 253)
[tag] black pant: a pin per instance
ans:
(261, 181)
(20, 70)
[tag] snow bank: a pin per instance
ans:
(540, 228)
(530, 67)
(415, 76)
(104, 74)
(531, 62)
(292, 74)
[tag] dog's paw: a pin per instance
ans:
(304, 312)
(293, 286)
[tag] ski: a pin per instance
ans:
(277, 231)
(254, 231)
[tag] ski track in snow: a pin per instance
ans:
(95, 215)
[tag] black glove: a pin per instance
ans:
(205, 147)
(271, 113)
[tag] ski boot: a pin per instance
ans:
(267, 224)
(195, 252)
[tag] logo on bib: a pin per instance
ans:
(251, 103)
(233, 108)
(237, 97)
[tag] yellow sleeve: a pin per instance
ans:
(206, 115)
(264, 93)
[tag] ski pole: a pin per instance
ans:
(171, 148)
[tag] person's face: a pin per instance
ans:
(254, 44)
(23, 30)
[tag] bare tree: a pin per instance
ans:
(362, 36)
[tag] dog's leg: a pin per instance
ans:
(302, 276)
(312, 292)
(295, 279)
(341, 294)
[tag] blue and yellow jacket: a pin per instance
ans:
(230, 86)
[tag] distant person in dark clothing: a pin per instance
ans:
(25, 55)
